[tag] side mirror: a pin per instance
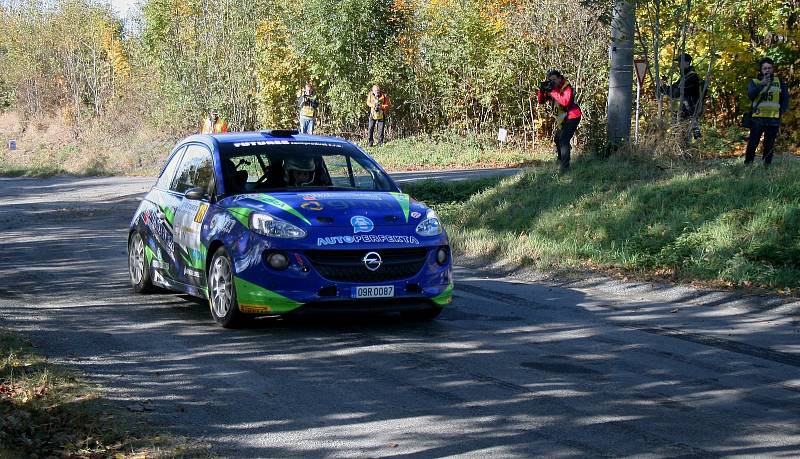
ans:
(195, 194)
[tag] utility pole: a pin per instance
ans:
(620, 78)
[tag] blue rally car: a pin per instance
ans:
(272, 222)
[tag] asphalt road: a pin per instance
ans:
(514, 368)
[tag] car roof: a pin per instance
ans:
(211, 140)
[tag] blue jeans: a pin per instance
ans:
(306, 125)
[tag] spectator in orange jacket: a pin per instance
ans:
(214, 124)
(379, 104)
(567, 113)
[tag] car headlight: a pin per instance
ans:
(274, 227)
(431, 226)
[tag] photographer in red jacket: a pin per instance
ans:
(565, 110)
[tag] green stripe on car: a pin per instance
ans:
(251, 296)
(267, 199)
(446, 297)
(403, 200)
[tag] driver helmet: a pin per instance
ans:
(301, 164)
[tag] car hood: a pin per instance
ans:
(359, 210)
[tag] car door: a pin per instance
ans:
(195, 171)
(158, 217)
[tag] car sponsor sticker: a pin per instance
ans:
(201, 212)
(188, 206)
(160, 231)
(361, 224)
(415, 214)
(158, 279)
(157, 264)
(311, 205)
(222, 223)
(261, 143)
(367, 239)
(351, 196)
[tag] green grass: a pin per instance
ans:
(451, 152)
(143, 155)
(47, 411)
(725, 224)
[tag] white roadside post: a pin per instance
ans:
(502, 133)
(641, 70)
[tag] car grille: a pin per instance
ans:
(347, 265)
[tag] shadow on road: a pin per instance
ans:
(509, 370)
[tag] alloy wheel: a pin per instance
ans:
(136, 259)
(221, 286)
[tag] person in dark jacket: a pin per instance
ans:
(769, 96)
(685, 91)
(567, 113)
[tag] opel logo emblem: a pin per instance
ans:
(372, 261)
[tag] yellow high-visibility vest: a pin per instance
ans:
(770, 105)
(309, 111)
(378, 105)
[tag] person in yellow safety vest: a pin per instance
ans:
(214, 124)
(307, 105)
(769, 98)
(379, 104)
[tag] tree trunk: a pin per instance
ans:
(620, 78)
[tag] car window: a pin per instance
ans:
(168, 174)
(268, 165)
(345, 172)
(363, 177)
(195, 170)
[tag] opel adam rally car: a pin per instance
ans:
(273, 222)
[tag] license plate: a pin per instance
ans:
(381, 291)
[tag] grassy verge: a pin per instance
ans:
(83, 158)
(48, 148)
(726, 224)
(422, 153)
(46, 411)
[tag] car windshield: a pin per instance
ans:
(276, 165)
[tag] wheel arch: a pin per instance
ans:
(212, 249)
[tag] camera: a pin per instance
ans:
(547, 85)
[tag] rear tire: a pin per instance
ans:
(422, 315)
(222, 298)
(138, 267)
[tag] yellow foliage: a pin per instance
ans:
(496, 13)
(112, 45)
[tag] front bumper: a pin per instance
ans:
(264, 290)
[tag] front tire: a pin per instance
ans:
(138, 268)
(222, 291)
